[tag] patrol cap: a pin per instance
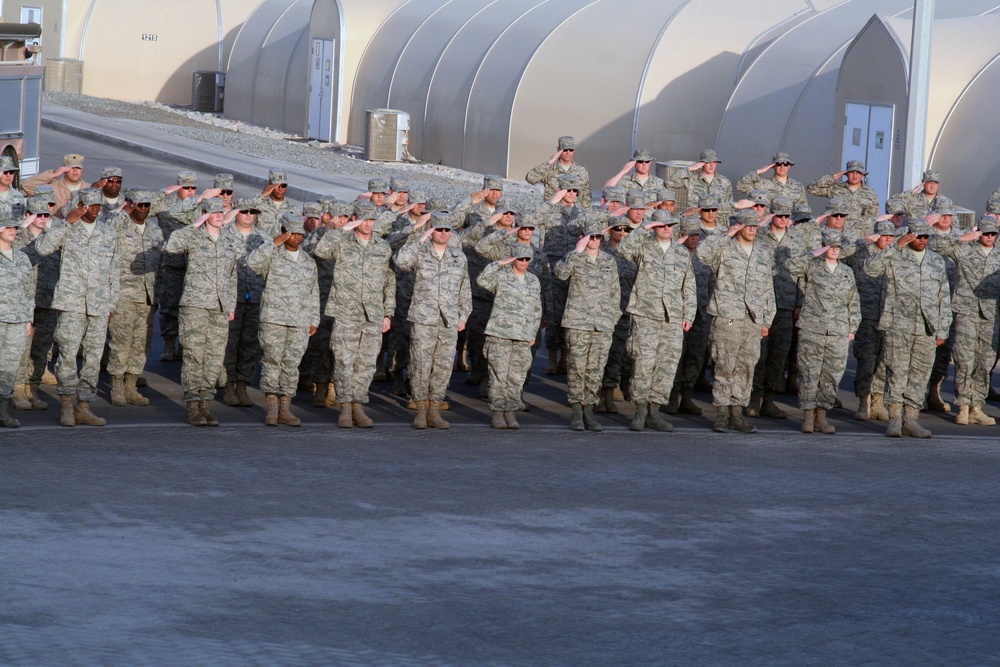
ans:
(781, 206)
(47, 192)
(223, 181)
(6, 221)
(992, 206)
(709, 155)
(312, 209)
(832, 237)
(37, 205)
(7, 164)
(418, 197)
(441, 220)
(895, 206)
(89, 196)
(636, 199)
(709, 200)
(593, 227)
(643, 154)
(691, 226)
(567, 143)
(856, 165)
(492, 182)
(292, 223)
(187, 179)
(570, 182)
(801, 212)
(613, 193)
(139, 196)
(246, 204)
(944, 206)
(521, 251)
(782, 156)
(277, 177)
(919, 227)
(111, 172)
(759, 197)
(438, 204)
(663, 218)
(73, 160)
(988, 224)
(378, 185)
(213, 205)
(666, 194)
(837, 205)
(932, 176)
(339, 208)
(886, 228)
(399, 184)
(524, 221)
(747, 218)
(504, 206)
(365, 210)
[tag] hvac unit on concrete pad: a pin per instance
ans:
(388, 134)
(208, 91)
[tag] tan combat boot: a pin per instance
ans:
(206, 412)
(420, 420)
(21, 401)
(911, 423)
(434, 418)
(878, 411)
(6, 421)
(36, 403)
(736, 421)
(66, 418)
(511, 418)
(194, 416)
(963, 415)
(320, 393)
(864, 408)
(589, 421)
(242, 396)
(118, 392)
(229, 395)
(934, 401)
(822, 425)
(271, 418)
(360, 418)
(895, 429)
(977, 416)
(344, 420)
(132, 394)
(638, 422)
(83, 415)
(499, 420)
(809, 423)
(285, 415)
(655, 421)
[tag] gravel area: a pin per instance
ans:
(437, 180)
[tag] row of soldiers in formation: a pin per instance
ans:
(244, 281)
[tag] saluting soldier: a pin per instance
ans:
(861, 200)
(635, 175)
(561, 163)
(272, 203)
(10, 197)
(17, 301)
(702, 178)
(779, 185)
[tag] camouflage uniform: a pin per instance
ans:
(741, 305)
(11, 198)
(589, 319)
(975, 347)
(559, 228)
(170, 279)
(271, 210)
(696, 339)
(831, 312)
(696, 186)
(209, 297)
(861, 202)
(665, 296)
(618, 369)
(243, 344)
(790, 189)
(917, 311)
(17, 298)
(549, 174)
(85, 295)
(363, 293)
(289, 306)
(630, 182)
(318, 359)
(513, 325)
(138, 252)
(917, 205)
(442, 302)
(869, 377)
(45, 317)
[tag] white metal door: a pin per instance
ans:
(321, 90)
(868, 137)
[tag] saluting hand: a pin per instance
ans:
(695, 167)
(427, 234)
(505, 262)
(581, 245)
(557, 197)
(280, 239)
(820, 251)
(350, 226)
(734, 230)
(201, 220)
(478, 196)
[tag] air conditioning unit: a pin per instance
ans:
(964, 218)
(388, 134)
(208, 91)
(666, 170)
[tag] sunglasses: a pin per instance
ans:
(246, 212)
(643, 161)
(113, 180)
(189, 187)
(781, 216)
(528, 228)
(146, 205)
(9, 172)
(710, 210)
(622, 228)
(522, 259)
(225, 192)
(838, 215)
(596, 236)
(285, 185)
(782, 164)
(576, 190)
(923, 236)
(989, 233)
(569, 150)
(760, 205)
(42, 215)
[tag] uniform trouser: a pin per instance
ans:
(399, 334)
(769, 373)
(13, 342)
(355, 347)
(36, 352)
(243, 343)
(317, 362)
(86, 333)
(169, 286)
(509, 361)
(618, 355)
(283, 348)
(432, 355)
(555, 335)
(942, 357)
(736, 348)
(908, 359)
(822, 361)
(655, 346)
(475, 329)
(129, 327)
(975, 350)
(203, 334)
(869, 378)
(693, 357)
(587, 354)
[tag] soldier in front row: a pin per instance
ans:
(17, 301)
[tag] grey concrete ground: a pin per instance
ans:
(149, 542)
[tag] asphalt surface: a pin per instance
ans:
(149, 542)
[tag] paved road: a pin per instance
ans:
(149, 542)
